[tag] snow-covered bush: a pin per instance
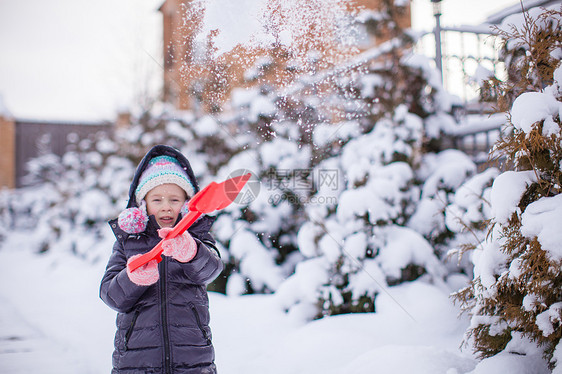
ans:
(381, 218)
(515, 297)
(349, 201)
(69, 198)
(306, 160)
(356, 243)
(453, 209)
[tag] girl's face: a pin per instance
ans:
(165, 203)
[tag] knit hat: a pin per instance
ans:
(162, 170)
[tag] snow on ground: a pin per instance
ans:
(52, 321)
(56, 298)
(23, 347)
(255, 337)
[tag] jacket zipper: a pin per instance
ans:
(130, 329)
(199, 324)
(164, 318)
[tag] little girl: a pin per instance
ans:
(163, 308)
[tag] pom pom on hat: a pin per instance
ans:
(163, 170)
(133, 220)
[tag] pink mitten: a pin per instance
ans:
(182, 248)
(145, 275)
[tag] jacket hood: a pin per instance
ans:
(160, 150)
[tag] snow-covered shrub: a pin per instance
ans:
(70, 198)
(349, 238)
(312, 151)
(466, 219)
(384, 221)
(371, 227)
(516, 295)
(453, 208)
(340, 157)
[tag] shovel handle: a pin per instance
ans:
(211, 198)
(156, 252)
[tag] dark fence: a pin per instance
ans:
(36, 138)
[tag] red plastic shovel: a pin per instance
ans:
(215, 196)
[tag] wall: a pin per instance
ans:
(8, 148)
(34, 138)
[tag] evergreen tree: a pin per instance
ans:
(365, 226)
(515, 296)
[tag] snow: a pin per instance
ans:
(370, 281)
(471, 201)
(557, 76)
(330, 246)
(284, 154)
(55, 313)
(344, 344)
(363, 201)
(243, 96)
(481, 75)
(324, 134)
(423, 62)
(517, 20)
(259, 23)
(520, 356)
(245, 160)
(207, 126)
(404, 246)
(489, 264)
(299, 292)
(507, 191)
(549, 318)
(508, 363)
(55, 299)
(557, 357)
(256, 261)
(542, 219)
(531, 107)
(261, 106)
(449, 169)
(477, 123)
(428, 218)
(306, 238)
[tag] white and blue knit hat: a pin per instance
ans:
(162, 170)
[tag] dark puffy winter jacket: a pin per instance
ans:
(162, 328)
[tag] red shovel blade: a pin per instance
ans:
(215, 196)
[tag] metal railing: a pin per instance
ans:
(477, 137)
(466, 55)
